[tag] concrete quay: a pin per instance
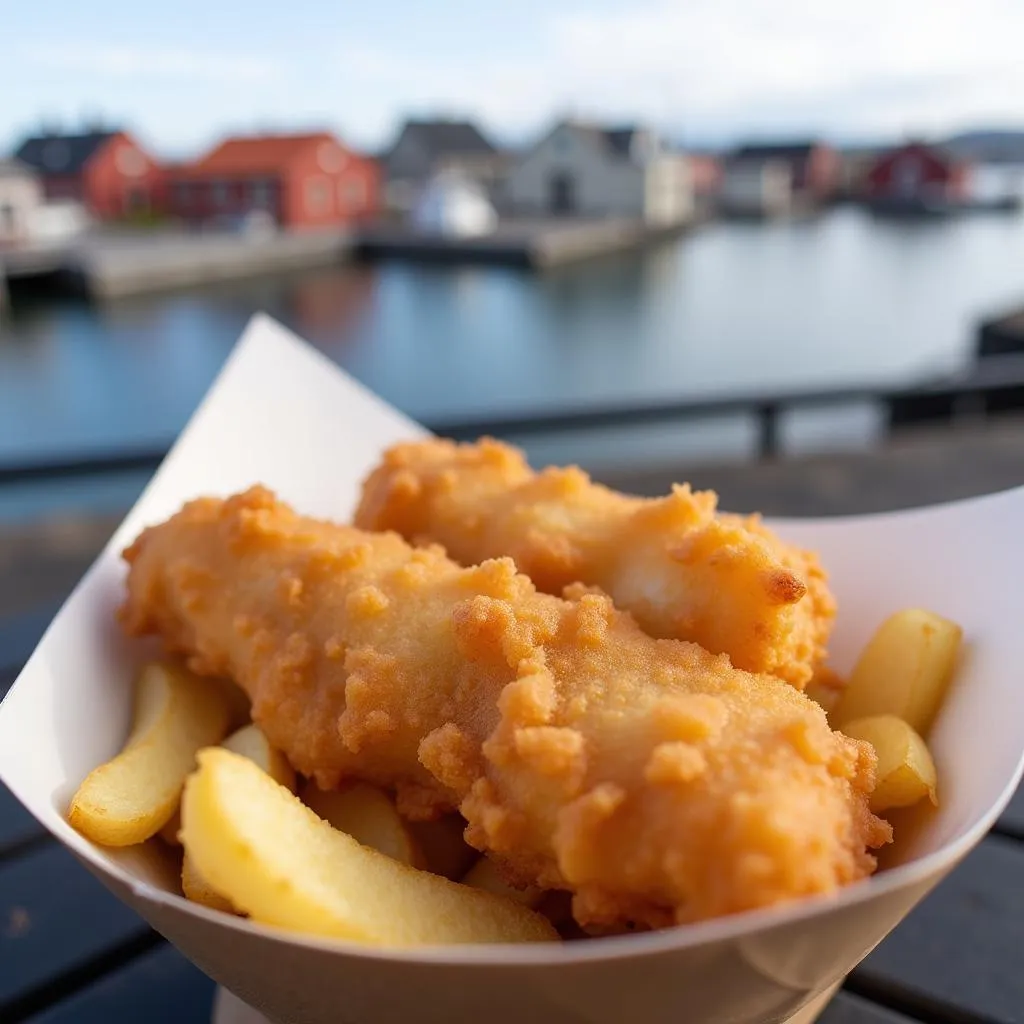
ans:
(111, 264)
(534, 244)
(107, 264)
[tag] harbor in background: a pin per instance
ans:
(843, 300)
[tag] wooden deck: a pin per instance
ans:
(71, 954)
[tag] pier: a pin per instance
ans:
(108, 265)
(535, 244)
(113, 264)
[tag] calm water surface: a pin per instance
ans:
(734, 307)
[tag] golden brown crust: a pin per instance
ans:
(682, 570)
(649, 778)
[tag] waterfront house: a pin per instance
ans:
(705, 174)
(582, 169)
(916, 178)
(776, 177)
(107, 172)
(425, 148)
(21, 194)
(756, 188)
(280, 181)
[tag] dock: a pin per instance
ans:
(111, 264)
(533, 244)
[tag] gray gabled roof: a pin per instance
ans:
(61, 154)
(616, 142)
(447, 138)
(795, 150)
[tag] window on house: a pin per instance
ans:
(351, 192)
(318, 195)
(7, 220)
(183, 193)
(261, 194)
(219, 193)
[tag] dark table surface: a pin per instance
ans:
(72, 954)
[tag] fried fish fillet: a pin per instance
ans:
(684, 572)
(651, 779)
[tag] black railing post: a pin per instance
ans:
(768, 431)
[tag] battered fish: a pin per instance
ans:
(684, 572)
(651, 779)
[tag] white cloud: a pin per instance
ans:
(739, 65)
(153, 62)
(711, 68)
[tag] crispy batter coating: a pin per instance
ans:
(648, 777)
(683, 572)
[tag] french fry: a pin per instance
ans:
(369, 816)
(130, 798)
(904, 670)
(906, 771)
(198, 890)
(277, 861)
(444, 847)
(484, 874)
(249, 742)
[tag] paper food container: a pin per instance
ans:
(283, 415)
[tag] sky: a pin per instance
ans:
(708, 71)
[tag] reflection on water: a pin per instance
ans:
(841, 299)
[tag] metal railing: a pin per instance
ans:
(993, 385)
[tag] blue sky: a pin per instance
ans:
(182, 74)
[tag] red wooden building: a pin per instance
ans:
(295, 181)
(917, 173)
(107, 171)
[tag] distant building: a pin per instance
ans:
(917, 176)
(856, 163)
(706, 174)
(287, 181)
(426, 148)
(21, 194)
(455, 206)
(579, 169)
(756, 188)
(107, 172)
(756, 172)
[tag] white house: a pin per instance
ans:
(425, 148)
(580, 169)
(21, 195)
(456, 206)
(756, 188)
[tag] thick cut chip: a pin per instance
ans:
(133, 796)
(906, 771)
(250, 742)
(198, 890)
(369, 816)
(904, 670)
(281, 864)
